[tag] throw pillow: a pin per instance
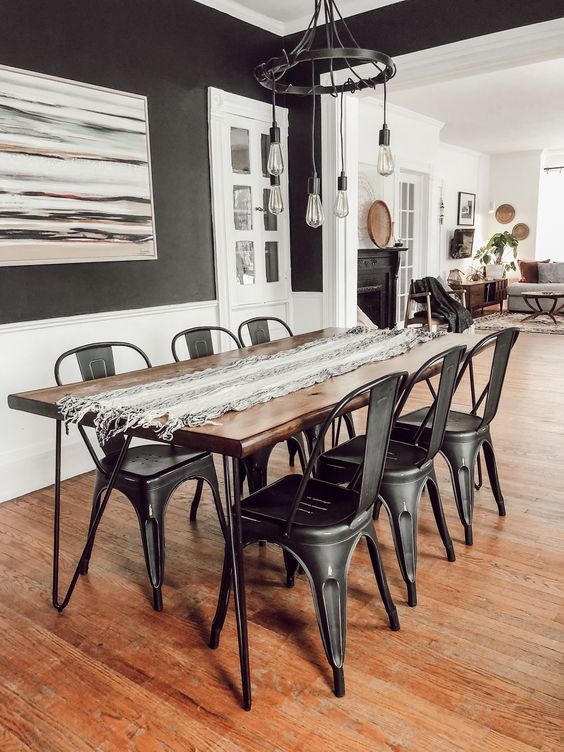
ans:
(551, 273)
(530, 270)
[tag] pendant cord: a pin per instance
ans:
(313, 109)
(385, 99)
(342, 134)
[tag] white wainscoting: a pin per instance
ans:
(29, 352)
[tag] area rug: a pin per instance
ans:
(497, 321)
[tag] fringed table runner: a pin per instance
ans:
(200, 397)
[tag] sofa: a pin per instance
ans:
(536, 276)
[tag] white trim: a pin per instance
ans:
(223, 103)
(236, 10)
(224, 108)
(487, 53)
(92, 318)
(375, 101)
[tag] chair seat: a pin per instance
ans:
(324, 505)
(152, 461)
(458, 423)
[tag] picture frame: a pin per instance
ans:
(466, 208)
(79, 165)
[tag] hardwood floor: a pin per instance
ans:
(476, 666)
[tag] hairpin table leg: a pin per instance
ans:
(234, 539)
(61, 605)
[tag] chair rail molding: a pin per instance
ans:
(27, 443)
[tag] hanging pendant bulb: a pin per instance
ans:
(275, 159)
(275, 201)
(385, 165)
(342, 202)
(314, 213)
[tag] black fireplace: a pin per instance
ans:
(377, 283)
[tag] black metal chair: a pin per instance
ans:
(468, 433)
(150, 473)
(409, 466)
(319, 524)
(199, 341)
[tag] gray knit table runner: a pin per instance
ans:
(201, 397)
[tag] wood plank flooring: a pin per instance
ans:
(476, 667)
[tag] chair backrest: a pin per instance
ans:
(199, 341)
(96, 361)
(448, 364)
(381, 406)
(259, 331)
(491, 393)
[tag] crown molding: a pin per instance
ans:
(236, 10)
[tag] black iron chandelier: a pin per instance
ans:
(341, 51)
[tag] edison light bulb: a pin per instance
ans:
(314, 212)
(275, 164)
(385, 165)
(342, 202)
(275, 202)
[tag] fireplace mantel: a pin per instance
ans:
(377, 284)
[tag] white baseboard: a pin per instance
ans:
(27, 442)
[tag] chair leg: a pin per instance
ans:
(402, 502)
(435, 497)
(222, 601)
(461, 459)
(196, 500)
(381, 579)
(151, 525)
(377, 508)
(296, 445)
(327, 574)
(491, 465)
(478, 485)
(349, 423)
(292, 566)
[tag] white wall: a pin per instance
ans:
(461, 169)
(514, 179)
(417, 147)
(549, 241)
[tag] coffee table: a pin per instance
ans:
(557, 299)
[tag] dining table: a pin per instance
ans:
(247, 437)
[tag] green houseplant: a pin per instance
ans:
(498, 255)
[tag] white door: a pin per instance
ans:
(251, 245)
(409, 231)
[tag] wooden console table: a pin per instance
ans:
(483, 293)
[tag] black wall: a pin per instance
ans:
(396, 29)
(170, 51)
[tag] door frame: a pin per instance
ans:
(221, 106)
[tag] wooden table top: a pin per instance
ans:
(238, 434)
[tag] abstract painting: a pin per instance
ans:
(75, 177)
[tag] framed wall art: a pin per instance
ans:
(466, 208)
(75, 172)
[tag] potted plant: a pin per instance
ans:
(498, 255)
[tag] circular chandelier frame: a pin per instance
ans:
(276, 68)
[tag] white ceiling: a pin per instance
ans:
(287, 16)
(517, 109)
